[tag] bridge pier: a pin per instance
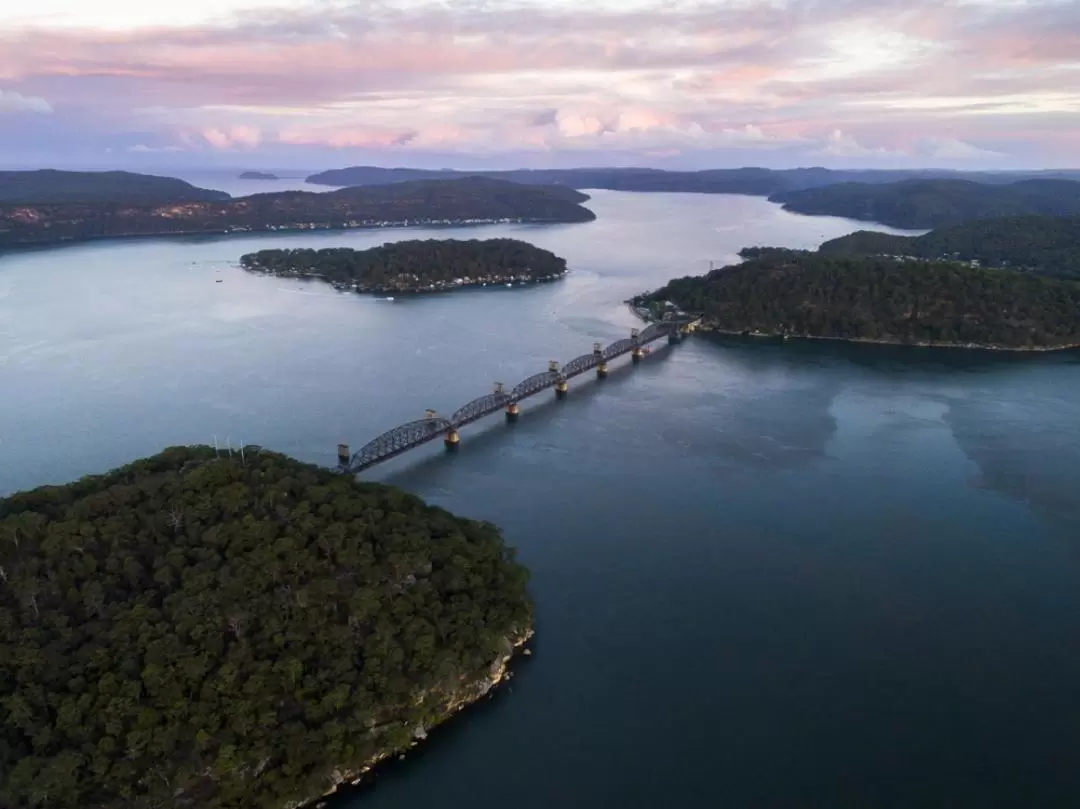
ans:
(452, 440)
(674, 336)
(602, 371)
(343, 456)
(561, 389)
(512, 411)
(636, 354)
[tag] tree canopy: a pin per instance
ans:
(1049, 245)
(932, 203)
(878, 298)
(198, 631)
(414, 264)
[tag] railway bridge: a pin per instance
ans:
(408, 436)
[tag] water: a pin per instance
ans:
(766, 575)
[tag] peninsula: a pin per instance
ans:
(790, 293)
(195, 630)
(466, 201)
(258, 175)
(427, 265)
(1047, 245)
(934, 203)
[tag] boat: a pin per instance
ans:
(219, 281)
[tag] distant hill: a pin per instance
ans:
(1048, 245)
(473, 200)
(258, 175)
(750, 181)
(936, 203)
(52, 186)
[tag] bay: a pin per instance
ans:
(765, 575)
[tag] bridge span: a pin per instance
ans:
(408, 436)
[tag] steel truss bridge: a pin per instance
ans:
(408, 436)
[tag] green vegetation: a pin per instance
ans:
(49, 186)
(785, 292)
(204, 632)
(936, 203)
(417, 265)
(470, 200)
(1049, 245)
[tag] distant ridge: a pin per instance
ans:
(53, 186)
(750, 180)
(466, 201)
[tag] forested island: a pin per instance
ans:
(418, 265)
(790, 293)
(934, 203)
(258, 175)
(235, 631)
(1048, 245)
(466, 201)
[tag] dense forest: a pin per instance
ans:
(786, 292)
(410, 266)
(1049, 245)
(751, 181)
(462, 201)
(48, 186)
(935, 203)
(209, 632)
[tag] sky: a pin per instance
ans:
(313, 84)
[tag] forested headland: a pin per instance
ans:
(876, 298)
(211, 632)
(934, 203)
(417, 265)
(470, 200)
(1049, 245)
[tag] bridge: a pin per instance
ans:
(413, 434)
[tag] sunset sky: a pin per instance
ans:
(323, 83)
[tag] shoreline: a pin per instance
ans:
(507, 281)
(358, 778)
(270, 230)
(706, 329)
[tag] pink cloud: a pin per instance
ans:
(651, 78)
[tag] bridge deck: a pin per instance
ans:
(415, 433)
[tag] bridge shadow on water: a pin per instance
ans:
(481, 438)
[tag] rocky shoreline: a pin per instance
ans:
(498, 673)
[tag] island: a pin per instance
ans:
(419, 265)
(1048, 245)
(52, 187)
(465, 201)
(934, 203)
(258, 175)
(790, 293)
(211, 629)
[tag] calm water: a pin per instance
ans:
(790, 576)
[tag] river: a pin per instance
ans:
(766, 575)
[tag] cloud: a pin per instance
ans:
(790, 80)
(235, 137)
(142, 148)
(839, 144)
(952, 150)
(11, 101)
